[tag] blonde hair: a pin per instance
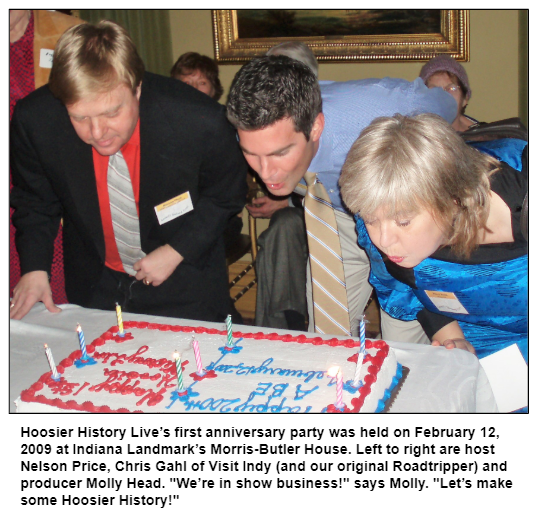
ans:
(403, 163)
(92, 59)
(297, 51)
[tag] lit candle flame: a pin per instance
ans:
(333, 371)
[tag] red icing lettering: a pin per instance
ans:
(82, 387)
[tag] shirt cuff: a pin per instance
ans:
(432, 322)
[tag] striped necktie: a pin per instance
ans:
(125, 219)
(331, 312)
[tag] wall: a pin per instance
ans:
(524, 66)
(492, 69)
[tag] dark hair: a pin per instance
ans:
(190, 62)
(272, 88)
(90, 59)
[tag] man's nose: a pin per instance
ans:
(98, 128)
(267, 170)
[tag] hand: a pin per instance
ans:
(451, 336)
(265, 207)
(459, 343)
(32, 287)
(156, 267)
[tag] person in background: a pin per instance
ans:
(144, 170)
(283, 252)
(440, 222)
(297, 51)
(445, 72)
(199, 71)
(32, 39)
(290, 128)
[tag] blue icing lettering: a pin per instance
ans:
(319, 374)
(279, 389)
(226, 369)
(226, 409)
(206, 403)
(242, 369)
(289, 372)
(249, 407)
(262, 388)
(264, 367)
(300, 394)
(214, 363)
(223, 405)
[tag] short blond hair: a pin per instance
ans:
(404, 163)
(92, 59)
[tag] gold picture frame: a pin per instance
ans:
(452, 39)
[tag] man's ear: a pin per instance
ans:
(317, 129)
(138, 91)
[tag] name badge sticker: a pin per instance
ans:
(174, 208)
(446, 302)
(46, 58)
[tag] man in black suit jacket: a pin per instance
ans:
(187, 149)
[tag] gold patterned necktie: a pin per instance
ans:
(331, 311)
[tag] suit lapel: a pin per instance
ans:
(81, 181)
(157, 155)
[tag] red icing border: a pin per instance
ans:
(29, 395)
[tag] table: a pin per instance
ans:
(439, 380)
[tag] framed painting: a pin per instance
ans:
(343, 34)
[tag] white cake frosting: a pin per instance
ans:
(260, 373)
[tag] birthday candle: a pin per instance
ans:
(339, 389)
(356, 381)
(336, 372)
(197, 352)
(229, 330)
(50, 359)
(361, 352)
(119, 318)
(81, 341)
(362, 336)
(178, 360)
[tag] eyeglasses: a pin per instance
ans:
(452, 88)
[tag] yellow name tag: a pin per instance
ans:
(446, 302)
(173, 208)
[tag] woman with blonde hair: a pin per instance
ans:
(440, 222)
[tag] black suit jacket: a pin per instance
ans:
(186, 145)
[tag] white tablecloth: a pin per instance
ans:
(439, 380)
